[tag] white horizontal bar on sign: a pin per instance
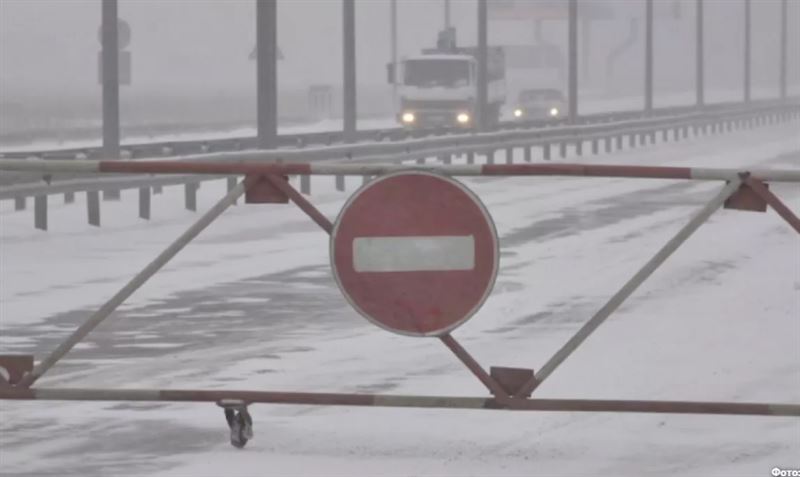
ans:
(414, 253)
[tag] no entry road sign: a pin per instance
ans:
(415, 253)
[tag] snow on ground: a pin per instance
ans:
(251, 305)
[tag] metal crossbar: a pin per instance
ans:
(503, 397)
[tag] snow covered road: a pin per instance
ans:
(252, 305)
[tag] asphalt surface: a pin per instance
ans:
(253, 319)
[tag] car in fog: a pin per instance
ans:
(545, 103)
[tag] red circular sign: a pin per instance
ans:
(415, 253)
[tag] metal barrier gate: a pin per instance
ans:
(387, 257)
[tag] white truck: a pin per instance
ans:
(439, 88)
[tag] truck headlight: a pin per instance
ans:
(517, 113)
(462, 118)
(554, 112)
(408, 117)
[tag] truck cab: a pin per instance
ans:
(439, 87)
(437, 90)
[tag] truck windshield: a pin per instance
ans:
(541, 95)
(430, 73)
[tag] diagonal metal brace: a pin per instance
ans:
(770, 198)
(627, 290)
(147, 272)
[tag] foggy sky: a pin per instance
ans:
(201, 47)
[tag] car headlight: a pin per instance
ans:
(554, 112)
(408, 117)
(517, 113)
(462, 118)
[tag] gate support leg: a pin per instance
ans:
(239, 421)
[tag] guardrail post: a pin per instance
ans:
(158, 189)
(421, 160)
(595, 147)
(305, 184)
(19, 203)
(446, 158)
(620, 144)
(365, 179)
(653, 138)
(546, 151)
(527, 150)
(632, 140)
(190, 196)
(340, 183)
(579, 147)
(144, 203)
(69, 197)
(608, 144)
(93, 207)
(664, 135)
(562, 149)
(509, 155)
(490, 156)
(470, 157)
(40, 212)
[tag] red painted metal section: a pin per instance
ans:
(587, 170)
(745, 198)
(285, 188)
(512, 380)
(443, 402)
(16, 366)
(761, 189)
(260, 190)
(462, 354)
(16, 393)
(414, 204)
(261, 168)
(194, 167)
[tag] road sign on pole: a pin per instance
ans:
(416, 253)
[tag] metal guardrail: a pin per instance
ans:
(522, 135)
(328, 138)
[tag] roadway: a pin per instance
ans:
(252, 305)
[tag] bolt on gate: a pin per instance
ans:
(400, 243)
